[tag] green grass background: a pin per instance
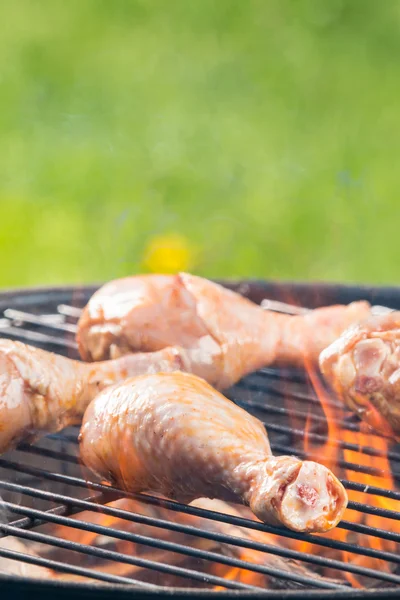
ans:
(265, 132)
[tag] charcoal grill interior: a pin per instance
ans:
(44, 485)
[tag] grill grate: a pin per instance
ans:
(44, 487)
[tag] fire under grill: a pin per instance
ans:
(62, 527)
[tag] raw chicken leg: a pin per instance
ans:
(228, 335)
(363, 368)
(41, 392)
(173, 434)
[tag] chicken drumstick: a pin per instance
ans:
(172, 433)
(363, 368)
(228, 335)
(41, 392)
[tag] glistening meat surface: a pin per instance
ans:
(172, 433)
(41, 392)
(363, 368)
(226, 335)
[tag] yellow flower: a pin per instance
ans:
(168, 253)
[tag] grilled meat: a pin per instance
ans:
(173, 434)
(363, 367)
(42, 392)
(227, 335)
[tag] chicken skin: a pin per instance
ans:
(173, 434)
(363, 367)
(228, 336)
(41, 392)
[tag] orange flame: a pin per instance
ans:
(330, 453)
(172, 558)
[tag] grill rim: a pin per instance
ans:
(305, 293)
(9, 585)
(314, 288)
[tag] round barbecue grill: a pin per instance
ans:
(48, 496)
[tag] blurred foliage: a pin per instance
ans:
(227, 137)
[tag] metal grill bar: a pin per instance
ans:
(36, 338)
(348, 484)
(65, 568)
(264, 385)
(370, 489)
(51, 322)
(194, 531)
(344, 464)
(369, 450)
(54, 327)
(123, 558)
(292, 375)
(62, 509)
(85, 505)
(69, 311)
(160, 544)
